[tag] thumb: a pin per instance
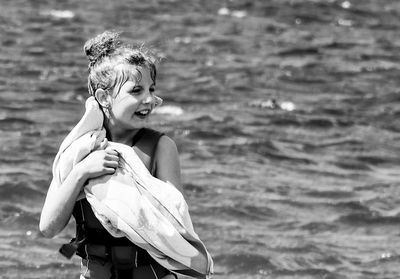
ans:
(103, 144)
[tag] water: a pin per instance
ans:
(308, 190)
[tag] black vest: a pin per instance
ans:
(89, 229)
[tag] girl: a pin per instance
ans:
(122, 79)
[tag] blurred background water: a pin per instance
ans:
(284, 112)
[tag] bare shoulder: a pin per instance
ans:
(167, 161)
(167, 144)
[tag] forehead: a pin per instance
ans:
(144, 75)
(137, 74)
(131, 73)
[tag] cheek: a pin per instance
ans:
(124, 107)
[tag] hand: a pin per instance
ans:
(98, 163)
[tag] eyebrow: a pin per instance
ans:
(138, 85)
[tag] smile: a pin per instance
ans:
(143, 113)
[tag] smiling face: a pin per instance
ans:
(134, 102)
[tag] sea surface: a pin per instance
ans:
(285, 113)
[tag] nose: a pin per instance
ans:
(153, 100)
(147, 100)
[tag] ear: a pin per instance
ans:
(102, 97)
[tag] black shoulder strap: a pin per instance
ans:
(150, 139)
(137, 136)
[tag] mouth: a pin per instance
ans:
(143, 113)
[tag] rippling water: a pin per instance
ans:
(284, 112)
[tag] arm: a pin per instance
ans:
(167, 162)
(59, 203)
(168, 169)
(60, 199)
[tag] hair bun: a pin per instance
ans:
(101, 45)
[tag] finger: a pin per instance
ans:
(112, 151)
(103, 144)
(111, 157)
(111, 164)
(109, 170)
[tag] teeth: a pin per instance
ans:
(143, 112)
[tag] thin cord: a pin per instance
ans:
(87, 262)
(86, 252)
(155, 274)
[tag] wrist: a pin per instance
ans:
(80, 174)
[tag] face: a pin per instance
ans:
(134, 102)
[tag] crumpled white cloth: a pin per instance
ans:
(151, 213)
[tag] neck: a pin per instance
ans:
(121, 134)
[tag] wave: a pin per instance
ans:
(60, 14)
(255, 212)
(169, 110)
(243, 263)
(15, 124)
(369, 218)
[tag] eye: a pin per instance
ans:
(152, 89)
(136, 89)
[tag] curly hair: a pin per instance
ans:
(108, 60)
